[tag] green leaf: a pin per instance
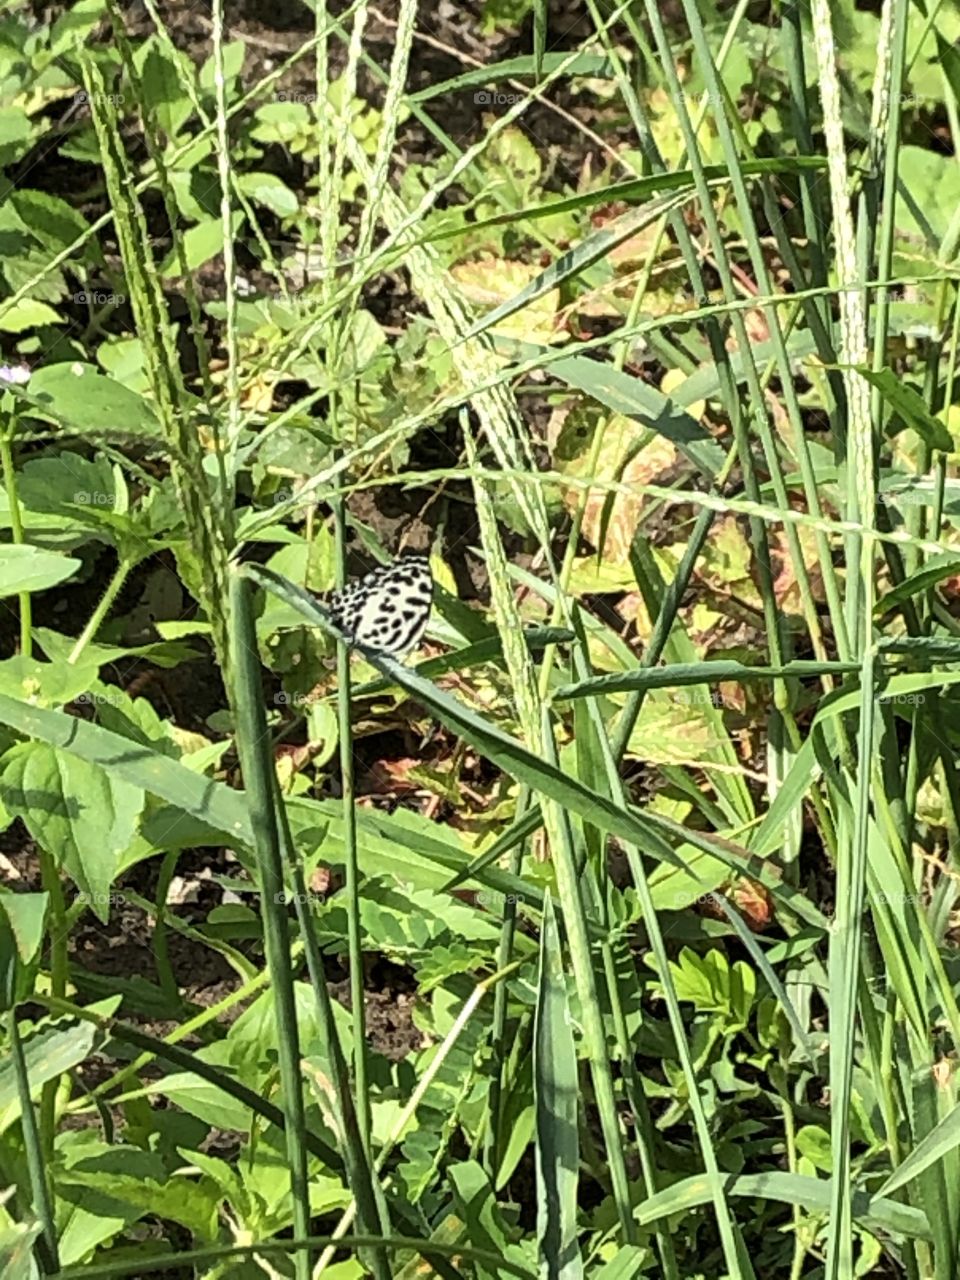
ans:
(58, 485)
(813, 1142)
(202, 811)
(681, 674)
(628, 1263)
(16, 139)
(50, 1050)
(24, 568)
(934, 570)
(233, 54)
(595, 65)
(80, 399)
(271, 192)
(163, 75)
(636, 399)
(812, 1194)
(80, 813)
(28, 313)
(45, 683)
(200, 244)
(53, 221)
(576, 260)
(557, 1093)
(937, 1143)
(477, 1205)
(17, 1261)
(25, 913)
(910, 406)
(136, 1183)
(206, 1101)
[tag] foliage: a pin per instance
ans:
(646, 332)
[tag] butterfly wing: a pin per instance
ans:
(389, 609)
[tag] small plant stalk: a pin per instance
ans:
(16, 524)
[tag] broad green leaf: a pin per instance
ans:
(17, 1261)
(137, 1182)
(476, 1203)
(201, 811)
(80, 399)
(163, 653)
(24, 568)
(25, 913)
(233, 54)
(164, 72)
(203, 1099)
(46, 684)
(58, 485)
(628, 1263)
(79, 812)
(675, 888)
(201, 243)
(75, 25)
(271, 192)
(28, 313)
(54, 1047)
(49, 217)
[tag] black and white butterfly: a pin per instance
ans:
(387, 610)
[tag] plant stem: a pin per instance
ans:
(16, 527)
(114, 587)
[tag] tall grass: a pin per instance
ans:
(866, 989)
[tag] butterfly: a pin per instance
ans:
(387, 610)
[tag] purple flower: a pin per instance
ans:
(14, 374)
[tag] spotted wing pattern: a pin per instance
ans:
(388, 610)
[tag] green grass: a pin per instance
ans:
(680, 909)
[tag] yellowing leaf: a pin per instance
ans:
(490, 281)
(612, 517)
(674, 729)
